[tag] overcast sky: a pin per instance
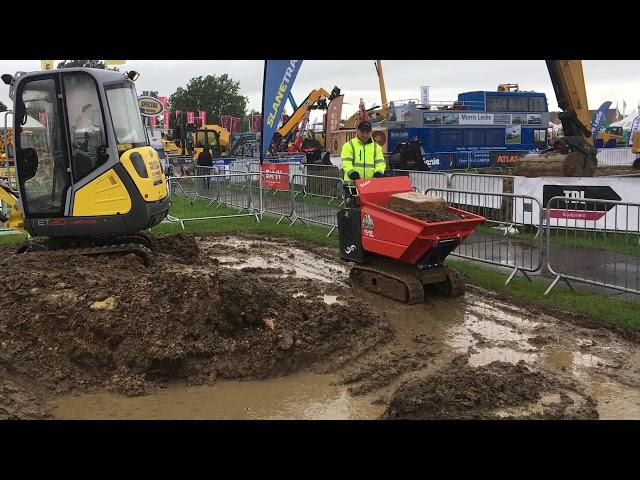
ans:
(614, 80)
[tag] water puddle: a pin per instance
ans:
(247, 253)
(296, 397)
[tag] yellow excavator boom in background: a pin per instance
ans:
(574, 155)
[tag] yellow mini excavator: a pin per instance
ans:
(87, 179)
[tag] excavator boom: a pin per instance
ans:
(302, 109)
(574, 155)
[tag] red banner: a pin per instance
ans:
(235, 125)
(190, 117)
(275, 176)
(202, 114)
(154, 121)
(165, 120)
(42, 118)
(226, 121)
(256, 123)
(334, 112)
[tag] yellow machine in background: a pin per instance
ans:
(189, 141)
(573, 154)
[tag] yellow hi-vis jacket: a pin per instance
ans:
(364, 158)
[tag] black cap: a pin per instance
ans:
(364, 126)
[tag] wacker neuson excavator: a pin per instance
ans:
(86, 178)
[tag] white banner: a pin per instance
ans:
(476, 119)
(424, 95)
(579, 213)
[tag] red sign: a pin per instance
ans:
(190, 117)
(574, 214)
(153, 121)
(275, 176)
(202, 114)
(165, 120)
(235, 125)
(226, 121)
(256, 123)
(42, 117)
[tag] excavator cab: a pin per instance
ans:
(208, 138)
(83, 163)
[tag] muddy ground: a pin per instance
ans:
(228, 307)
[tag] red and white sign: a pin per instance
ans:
(202, 114)
(275, 176)
(42, 118)
(154, 121)
(190, 117)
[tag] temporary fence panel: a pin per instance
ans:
(615, 157)
(594, 241)
(422, 181)
(206, 193)
(502, 240)
(314, 208)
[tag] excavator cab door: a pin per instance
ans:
(42, 160)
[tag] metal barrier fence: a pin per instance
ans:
(422, 181)
(594, 241)
(481, 183)
(615, 156)
(510, 237)
(222, 189)
(313, 207)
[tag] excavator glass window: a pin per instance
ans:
(41, 160)
(125, 114)
(206, 138)
(86, 125)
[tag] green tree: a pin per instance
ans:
(3, 107)
(217, 95)
(84, 64)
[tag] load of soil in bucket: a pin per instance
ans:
(427, 208)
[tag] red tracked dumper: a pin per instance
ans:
(397, 255)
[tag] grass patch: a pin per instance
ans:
(12, 239)
(611, 310)
(182, 208)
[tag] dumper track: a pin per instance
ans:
(413, 288)
(455, 287)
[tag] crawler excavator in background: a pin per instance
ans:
(90, 183)
(574, 154)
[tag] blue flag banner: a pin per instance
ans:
(634, 128)
(279, 76)
(598, 118)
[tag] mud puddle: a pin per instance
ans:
(273, 258)
(560, 370)
(296, 397)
